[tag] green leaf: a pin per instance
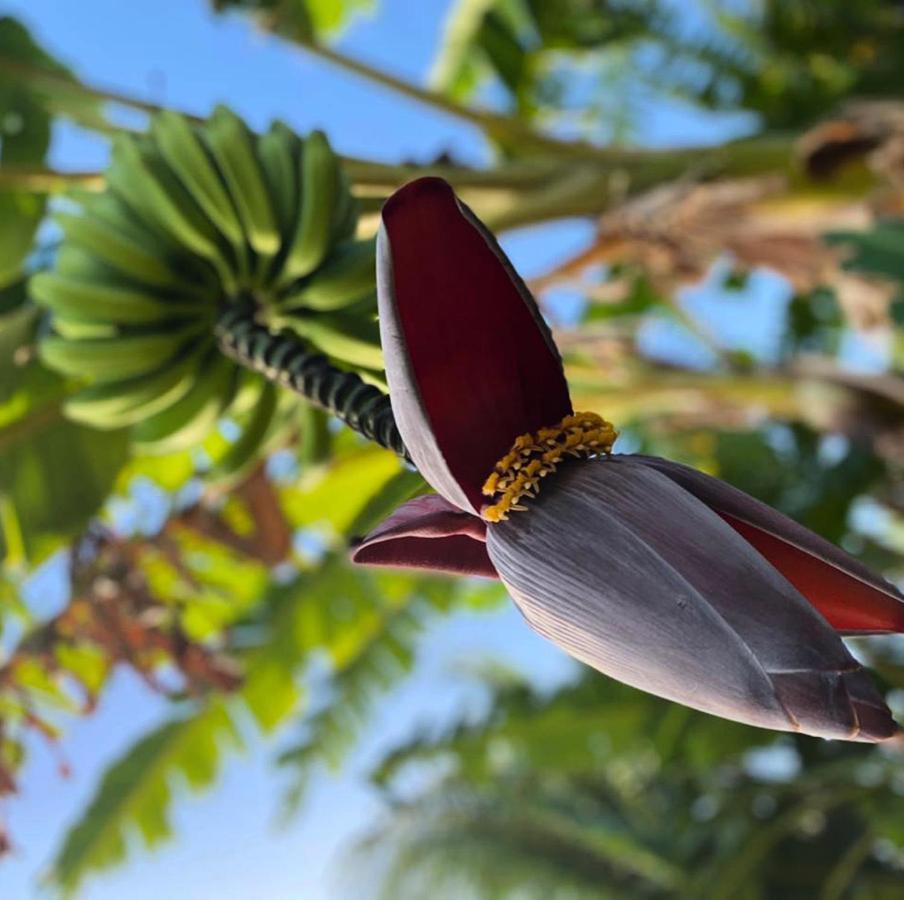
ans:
(336, 495)
(588, 62)
(135, 794)
(642, 299)
(397, 490)
(300, 20)
(54, 474)
(298, 619)
(371, 655)
(20, 215)
(87, 663)
(878, 252)
(454, 68)
(505, 54)
(330, 16)
(24, 140)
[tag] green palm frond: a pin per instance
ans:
(134, 795)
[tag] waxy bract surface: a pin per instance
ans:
(631, 574)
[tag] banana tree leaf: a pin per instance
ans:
(54, 474)
(25, 118)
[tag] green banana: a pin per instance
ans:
(347, 275)
(108, 303)
(187, 422)
(249, 388)
(283, 423)
(319, 178)
(243, 452)
(194, 216)
(144, 181)
(185, 153)
(78, 263)
(110, 211)
(76, 329)
(345, 216)
(233, 149)
(352, 339)
(195, 276)
(279, 151)
(315, 440)
(122, 403)
(118, 250)
(116, 358)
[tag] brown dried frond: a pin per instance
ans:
(675, 233)
(863, 129)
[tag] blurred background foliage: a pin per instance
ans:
(234, 601)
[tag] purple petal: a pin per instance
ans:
(469, 361)
(852, 599)
(631, 574)
(428, 533)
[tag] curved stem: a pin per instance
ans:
(287, 360)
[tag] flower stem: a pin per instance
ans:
(287, 360)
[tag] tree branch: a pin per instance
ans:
(273, 536)
(501, 127)
(41, 77)
(47, 181)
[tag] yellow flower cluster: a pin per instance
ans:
(534, 456)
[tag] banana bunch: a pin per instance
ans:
(194, 218)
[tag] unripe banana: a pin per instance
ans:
(249, 387)
(345, 216)
(320, 191)
(315, 444)
(279, 150)
(184, 152)
(75, 329)
(187, 422)
(196, 277)
(122, 403)
(352, 339)
(346, 276)
(108, 303)
(117, 249)
(244, 451)
(79, 265)
(75, 262)
(116, 358)
(144, 182)
(233, 149)
(195, 217)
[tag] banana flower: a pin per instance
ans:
(650, 572)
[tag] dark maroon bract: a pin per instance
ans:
(647, 570)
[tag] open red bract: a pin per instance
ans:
(471, 365)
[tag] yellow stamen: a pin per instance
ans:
(534, 456)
